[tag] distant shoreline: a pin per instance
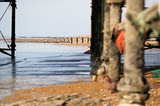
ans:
(149, 44)
(57, 40)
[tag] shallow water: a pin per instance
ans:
(42, 64)
(151, 58)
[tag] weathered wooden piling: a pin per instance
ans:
(106, 29)
(114, 55)
(133, 88)
(102, 67)
(96, 27)
(111, 11)
(97, 24)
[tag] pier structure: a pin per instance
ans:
(106, 14)
(11, 47)
(106, 57)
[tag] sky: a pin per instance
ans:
(50, 18)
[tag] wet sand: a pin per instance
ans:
(82, 89)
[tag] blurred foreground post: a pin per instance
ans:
(133, 88)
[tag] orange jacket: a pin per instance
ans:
(120, 41)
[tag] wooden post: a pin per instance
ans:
(110, 16)
(97, 34)
(13, 45)
(114, 55)
(133, 88)
(106, 28)
(93, 25)
(103, 66)
(97, 27)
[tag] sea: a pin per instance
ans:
(47, 64)
(42, 64)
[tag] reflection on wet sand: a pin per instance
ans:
(8, 86)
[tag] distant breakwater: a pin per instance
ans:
(83, 40)
(72, 40)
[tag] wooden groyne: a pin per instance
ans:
(71, 40)
(80, 39)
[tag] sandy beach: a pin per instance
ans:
(78, 93)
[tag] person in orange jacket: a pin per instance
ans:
(120, 41)
(118, 37)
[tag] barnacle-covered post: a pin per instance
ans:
(106, 28)
(111, 16)
(100, 66)
(105, 51)
(97, 20)
(96, 27)
(133, 88)
(114, 56)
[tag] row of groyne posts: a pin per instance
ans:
(81, 39)
(73, 40)
(139, 23)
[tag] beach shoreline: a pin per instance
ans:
(86, 92)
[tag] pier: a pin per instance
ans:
(11, 47)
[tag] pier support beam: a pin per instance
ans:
(96, 27)
(106, 29)
(133, 88)
(13, 45)
(97, 21)
(114, 55)
(104, 58)
(110, 16)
